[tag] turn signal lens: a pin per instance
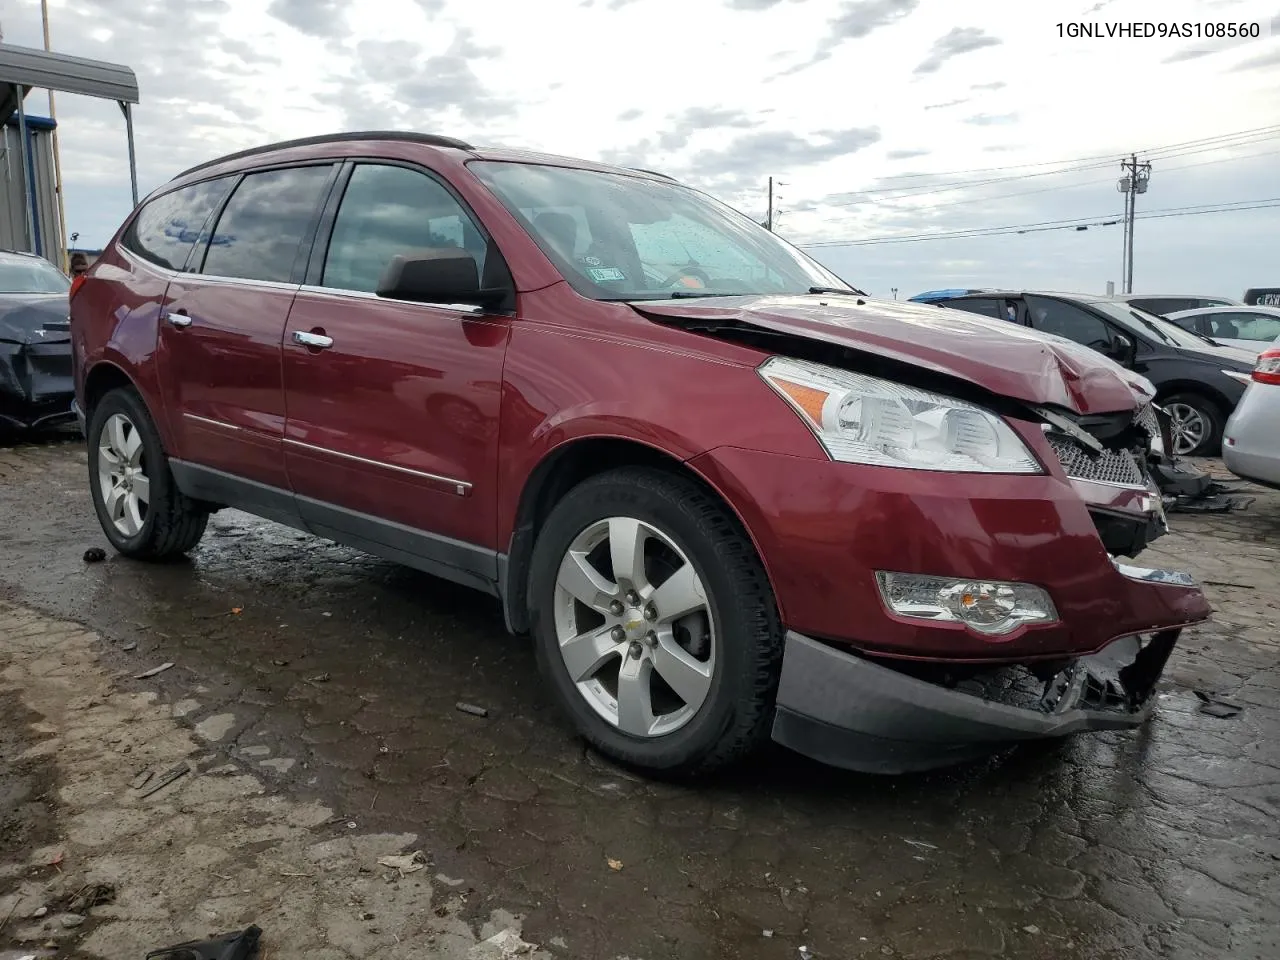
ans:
(1268, 367)
(992, 607)
(76, 283)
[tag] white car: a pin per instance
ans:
(1249, 328)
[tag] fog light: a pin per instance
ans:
(992, 607)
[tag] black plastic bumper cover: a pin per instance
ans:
(36, 386)
(847, 711)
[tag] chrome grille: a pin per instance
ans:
(1111, 466)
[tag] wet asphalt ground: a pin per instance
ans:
(1159, 843)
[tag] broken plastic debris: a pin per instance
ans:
(406, 863)
(472, 709)
(130, 646)
(95, 555)
(231, 946)
(320, 678)
(1032, 929)
(768, 933)
(615, 864)
(1217, 707)
(153, 671)
(806, 953)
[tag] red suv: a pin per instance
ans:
(729, 496)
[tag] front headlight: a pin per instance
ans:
(862, 419)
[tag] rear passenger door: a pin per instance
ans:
(392, 434)
(221, 327)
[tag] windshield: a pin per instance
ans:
(617, 237)
(32, 276)
(1163, 330)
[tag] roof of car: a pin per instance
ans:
(1170, 296)
(425, 139)
(988, 294)
(19, 255)
(1233, 308)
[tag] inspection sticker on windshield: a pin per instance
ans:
(603, 274)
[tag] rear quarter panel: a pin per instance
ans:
(115, 320)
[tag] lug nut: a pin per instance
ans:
(618, 634)
(636, 650)
(652, 639)
(616, 608)
(651, 612)
(632, 597)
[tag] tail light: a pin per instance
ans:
(76, 283)
(1268, 367)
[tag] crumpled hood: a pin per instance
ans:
(23, 316)
(1003, 357)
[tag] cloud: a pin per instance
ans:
(315, 18)
(994, 85)
(682, 127)
(946, 104)
(991, 119)
(1187, 53)
(906, 154)
(856, 19)
(752, 155)
(952, 44)
(754, 4)
(635, 113)
(1261, 61)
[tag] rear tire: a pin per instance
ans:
(1198, 423)
(716, 665)
(140, 508)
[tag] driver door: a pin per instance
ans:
(392, 407)
(1075, 323)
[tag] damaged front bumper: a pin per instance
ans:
(850, 711)
(36, 385)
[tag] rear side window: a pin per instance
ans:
(165, 230)
(988, 308)
(1261, 327)
(387, 211)
(266, 223)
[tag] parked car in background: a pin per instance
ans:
(36, 388)
(728, 496)
(1246, 328)
(1197, 382)
(1251, 448)
(1162, 304)
(1262, 296)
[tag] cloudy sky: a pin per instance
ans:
(881, 119)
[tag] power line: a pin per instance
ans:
(1108, 157)
(1075, 223)
(885, 194)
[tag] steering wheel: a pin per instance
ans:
(697, 272)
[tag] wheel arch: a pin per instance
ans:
(106, 375)
(1199, 387)
(559, 471)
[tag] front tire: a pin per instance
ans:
(140, 508)
(654, 623)
(1197, 424)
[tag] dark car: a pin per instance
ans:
(728, 496)
(1198, 381)
(36, 386)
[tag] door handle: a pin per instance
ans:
(178, 319)
(316, 340)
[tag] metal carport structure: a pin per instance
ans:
(24, 68)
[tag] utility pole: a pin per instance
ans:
(63, 256)
(768, 222)
(895, 292)
(1131, 184)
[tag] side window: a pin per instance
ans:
(988, 308)
(1067, 320)
(387, 211)
(265, 224)
(165, 230)
(1263, 327)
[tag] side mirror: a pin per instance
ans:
(440, 276)
(1123, 350)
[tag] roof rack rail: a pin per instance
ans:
(655, 173)
(427, 139)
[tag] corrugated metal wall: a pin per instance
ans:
(15, 195)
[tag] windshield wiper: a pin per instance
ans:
(851, 291)
(694, 294)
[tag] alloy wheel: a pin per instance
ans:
(635, 627)
(122, 476)
(1189, 427)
